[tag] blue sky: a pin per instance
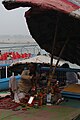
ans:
(12, 21)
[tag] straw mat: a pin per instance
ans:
(75, 88)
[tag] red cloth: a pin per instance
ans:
(61, 5)
(7, 103)
(66, 6)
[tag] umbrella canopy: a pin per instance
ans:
(43, 59)
(38, 59)
(42, 19)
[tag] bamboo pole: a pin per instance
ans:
(53, 45)
(60, 55)
(52, 53)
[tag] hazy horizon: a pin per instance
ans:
(16, 39)
(12, 22)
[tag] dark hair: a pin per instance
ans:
(65, 65)
(31, 65)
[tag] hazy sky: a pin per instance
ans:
(12, 21)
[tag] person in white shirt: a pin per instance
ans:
(12, 85)
(71, 77)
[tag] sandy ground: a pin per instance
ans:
(53, 112)
(43, 113)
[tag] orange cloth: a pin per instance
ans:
(72, 88)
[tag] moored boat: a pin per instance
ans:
(4, 83)
(4, 80)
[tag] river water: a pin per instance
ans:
(28, 48)
(21, 48)
(33, 48)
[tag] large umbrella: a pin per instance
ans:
(54, 24)
(39, 59)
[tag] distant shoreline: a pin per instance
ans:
(18, 43)
(16, 39)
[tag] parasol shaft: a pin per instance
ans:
(53, 45)
(60, 54)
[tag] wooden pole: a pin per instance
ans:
(53, 44)
(52, 53)
(60, 54)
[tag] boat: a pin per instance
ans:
(4, 83)
(4, 80)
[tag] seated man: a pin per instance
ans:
(28, 78)
(71, 77)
